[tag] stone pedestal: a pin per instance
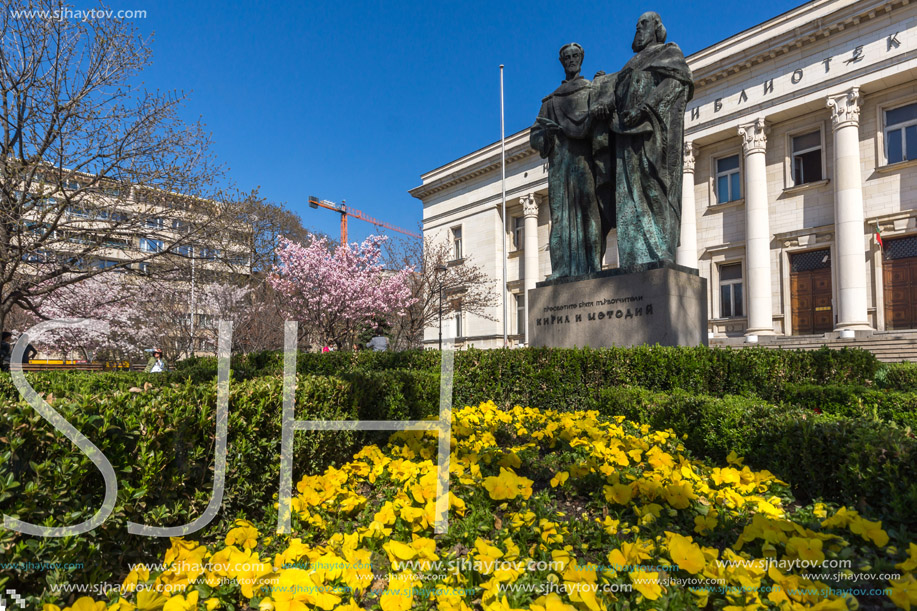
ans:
(664, 305)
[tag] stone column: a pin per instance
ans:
(687, 250)
(848, 212)
(530, 230)
(757, 232)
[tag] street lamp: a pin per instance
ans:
(439, 270)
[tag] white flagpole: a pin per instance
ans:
(503, 188)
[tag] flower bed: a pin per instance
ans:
(548, 511)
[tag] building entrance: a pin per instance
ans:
(810, 291)
(899, 276)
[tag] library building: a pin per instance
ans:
(799, 198)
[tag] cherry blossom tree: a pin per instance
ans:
(140, 313)
(112, 298)
(335, 291)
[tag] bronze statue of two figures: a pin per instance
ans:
(615, 154)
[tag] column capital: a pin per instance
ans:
(754, 136)
(845, 108)
(529, 205)
(690, 153)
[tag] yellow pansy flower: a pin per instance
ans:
(180, 603)
(871, 531)
(551, 602)
(805, 549)
(618, 493)
(685, 553)
(904, 592)
(647, 583)
(150, 600)
(911, 563)
(399, 595)
(679, 495)
(244, 534)
(85, 603)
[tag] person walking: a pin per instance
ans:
(379, 343)
(28, 354)
(156, 363)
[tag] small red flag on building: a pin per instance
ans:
(879, 237)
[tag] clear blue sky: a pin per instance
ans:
(353, 99)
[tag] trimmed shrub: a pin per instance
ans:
(557, 378)
(898, 376)
(855, 402)
(572, 379)
(160, 441)
(857, 461)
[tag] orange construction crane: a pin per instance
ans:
(346, 211)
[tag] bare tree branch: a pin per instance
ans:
(96, 174)
(464, 285)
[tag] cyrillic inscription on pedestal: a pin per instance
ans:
(663, 306)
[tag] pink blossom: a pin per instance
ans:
(113, 298)
(333, 291)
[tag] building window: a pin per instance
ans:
(104, 263)
(119, 243)
(807, 166)
(731, 291)
(78, 211)
(150, 245)
(184, 250)
(518, 233)
(456, 243)
(520, 313)
(39, 256)
(459, 331)
(209, 253)
(155, 222)
(727, 179)
(901, 133)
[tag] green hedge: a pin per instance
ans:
(898, 376)
(559, 378)
(855, 461)
(855, 402)
(570, 379)
(160, 442)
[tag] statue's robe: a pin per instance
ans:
(576, 241)
(649, 156)
(603, 152)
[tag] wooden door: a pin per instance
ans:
(810, 292)
(899, 276)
